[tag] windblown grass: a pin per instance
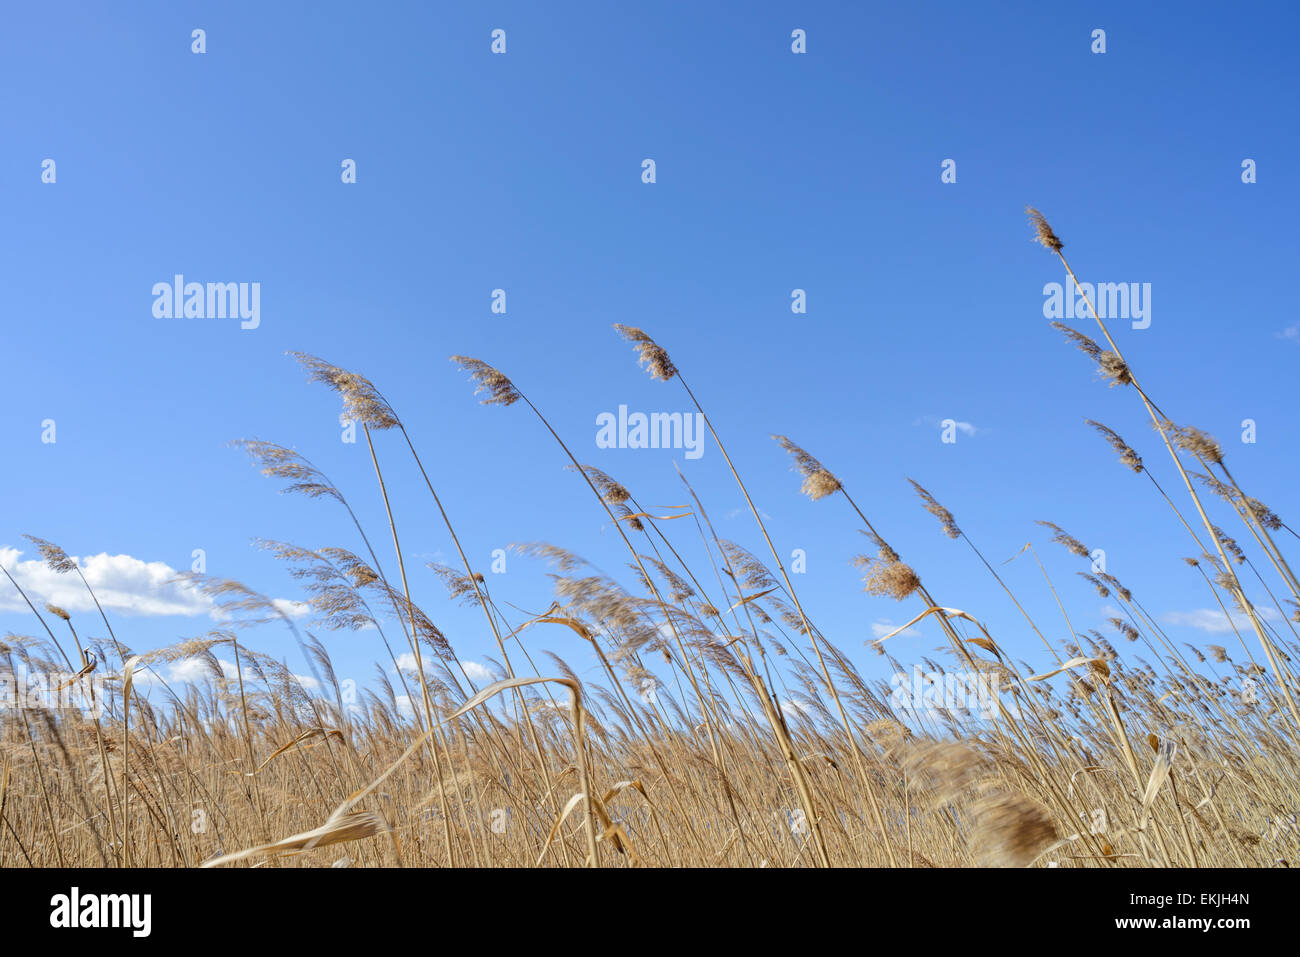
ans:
(775, 751)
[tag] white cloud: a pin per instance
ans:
(1109, 612)
(794, 709)
(189, 669)
(479, 674)
(1290, 332)
(123, 584)
(143, 677)
(1215, 622)
(291, 608)
(737, 512)
(884, 626)
(196, 669)
(178, 672)
(406, 662)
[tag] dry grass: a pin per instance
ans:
(772, 749)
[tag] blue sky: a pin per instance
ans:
(522, 171)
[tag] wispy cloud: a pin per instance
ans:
(1215, 622)
(737, 512)
(884, 626)
(1290, 332)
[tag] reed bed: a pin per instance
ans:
(761, 743)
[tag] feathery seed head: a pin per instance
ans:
(1263, 514)
(1084, 344)
(886, 575)
(1061, 537)
(1125, 629)
(1201, 444)
(278, 462)
(1102, 590)
(818, 482)
(1114, 368)
(1110, 365)
(1011, 830)
(1230, 545)
(611, 491)
(501, 391)
(1126, 455)
(1115, 584)
(56, 558)
(362, 402)
(938, 511)
(1043, 231)
(650, 353)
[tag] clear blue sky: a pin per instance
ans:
(522, 171)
